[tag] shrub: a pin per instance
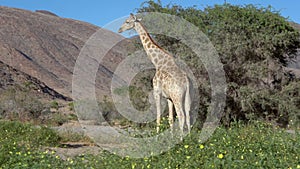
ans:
(19, 104)
(54, 105)
(254, 44)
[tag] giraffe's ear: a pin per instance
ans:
(140, 19)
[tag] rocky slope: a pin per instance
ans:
(44, 47)
(12, 77)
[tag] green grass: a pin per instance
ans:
(20, 145)
(256, 145)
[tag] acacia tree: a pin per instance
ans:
(254, 44)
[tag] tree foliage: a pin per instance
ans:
(254, 44)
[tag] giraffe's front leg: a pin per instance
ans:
(157, 98)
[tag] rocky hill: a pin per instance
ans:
(42, 46)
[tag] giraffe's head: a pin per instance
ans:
(129, 23)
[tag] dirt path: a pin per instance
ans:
(71, 150)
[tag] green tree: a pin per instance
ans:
(254, 44)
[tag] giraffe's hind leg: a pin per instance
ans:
(187, 109)
(181, 118)
(171, 115)
(187, 104)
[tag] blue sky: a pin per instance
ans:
(101, 12)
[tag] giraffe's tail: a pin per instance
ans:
(188, 103)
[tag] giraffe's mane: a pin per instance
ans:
(153, 41)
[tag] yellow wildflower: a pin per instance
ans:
(220, 156)
(133, 165)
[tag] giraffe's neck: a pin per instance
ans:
(154, 52)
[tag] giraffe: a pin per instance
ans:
(169, 80)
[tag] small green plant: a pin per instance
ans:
(58, 119)
(121, 91)
(71, 106)
(54, 105)
(69, 136)
(72, 117)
